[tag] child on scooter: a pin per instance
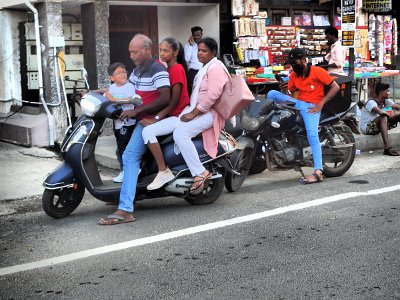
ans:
(121, 88)
(171, 52)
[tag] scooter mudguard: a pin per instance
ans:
(62, 176)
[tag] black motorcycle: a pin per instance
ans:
(270, 133)
(65, 186)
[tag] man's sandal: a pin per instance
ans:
(117, 218)
(390, 152)
(318, 178)
(198, 186)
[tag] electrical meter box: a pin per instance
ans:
(71, 47)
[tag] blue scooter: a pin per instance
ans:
(66, 185)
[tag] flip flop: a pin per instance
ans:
(198, 189)
(116, 219)
(317, 177)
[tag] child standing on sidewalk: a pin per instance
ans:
(171, 52)
(121, 88)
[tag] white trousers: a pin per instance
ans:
(162, 127)
(183, 134)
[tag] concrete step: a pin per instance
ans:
(25, 129)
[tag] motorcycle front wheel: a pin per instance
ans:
(241, 161)
(338, 165)
(61, 203)
(209, 194)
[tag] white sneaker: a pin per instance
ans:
(119, 178)
(162, 178)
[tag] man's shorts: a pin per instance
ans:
(372, 128)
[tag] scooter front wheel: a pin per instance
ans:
(61, 203)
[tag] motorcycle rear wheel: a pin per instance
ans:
(343, 135)
(209, 194)
(61, 203)
(241, 161)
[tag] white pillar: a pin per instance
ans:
(10, 78)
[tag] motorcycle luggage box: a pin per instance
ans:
(342, 100)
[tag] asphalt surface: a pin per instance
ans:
(344, 246)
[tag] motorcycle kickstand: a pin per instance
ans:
(301, 171)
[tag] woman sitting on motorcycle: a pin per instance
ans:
(199, 116)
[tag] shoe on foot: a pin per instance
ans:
(162, 178)
(119, 178)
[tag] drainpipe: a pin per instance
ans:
(40, 76)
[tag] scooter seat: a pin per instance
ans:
(165, 139)
(168, 138)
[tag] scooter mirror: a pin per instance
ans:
(84, 75)
(134, 99)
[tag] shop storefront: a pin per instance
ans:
(265, 31)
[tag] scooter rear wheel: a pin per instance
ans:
(61, 203)
(209, 194)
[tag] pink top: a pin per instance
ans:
(210, 91)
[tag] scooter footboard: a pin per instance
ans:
(62, 176)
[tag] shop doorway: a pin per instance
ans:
(125, 22)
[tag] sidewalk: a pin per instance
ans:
(23, 169)
(105, 151)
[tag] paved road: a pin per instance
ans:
(274, 239)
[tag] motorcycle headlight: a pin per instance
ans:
(90, 105)
(249, 123)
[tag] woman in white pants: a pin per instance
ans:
(200, 117)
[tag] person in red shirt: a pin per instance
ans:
(308, 83)
(171, 52)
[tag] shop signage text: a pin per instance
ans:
(348, 22)
(378, 5)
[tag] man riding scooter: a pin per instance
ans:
(151, 82)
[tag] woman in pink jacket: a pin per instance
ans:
(199, 116)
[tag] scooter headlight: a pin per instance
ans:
(90, 105)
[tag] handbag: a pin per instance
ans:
(235, 96)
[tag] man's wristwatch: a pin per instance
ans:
(157, 118)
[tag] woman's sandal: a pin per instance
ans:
(318, 178)
(390, 152)
(198, 186)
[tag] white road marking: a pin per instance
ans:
(188, 231)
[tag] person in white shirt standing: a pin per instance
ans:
(191, 55)
(337, 53)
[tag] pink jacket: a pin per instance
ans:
(210, 91)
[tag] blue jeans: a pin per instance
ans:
(311, 122)
(131, 162)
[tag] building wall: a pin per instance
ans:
(10, 77)
(176, 21)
